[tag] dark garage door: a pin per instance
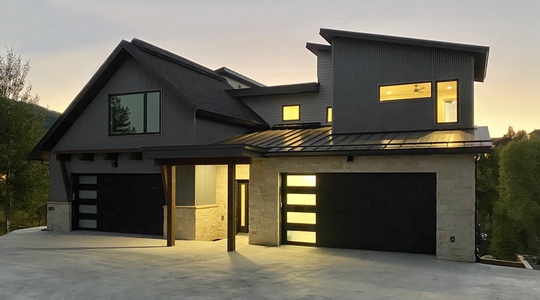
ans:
(119, 203)
(374, 211)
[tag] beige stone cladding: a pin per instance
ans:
(59, 216)
(195, 222)
(455, 194)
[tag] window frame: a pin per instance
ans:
(436, 104)
(283, 112)
(145, 112)
(406, 99)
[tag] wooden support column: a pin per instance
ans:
(231, 207)
(169, 187)
(65, 176)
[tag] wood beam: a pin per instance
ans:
(65, 179)
(231, 207)
(169, 188)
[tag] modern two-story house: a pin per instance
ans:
(378, 154)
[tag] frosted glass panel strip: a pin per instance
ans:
(88, 209)
(301, 218)
(242, 205)
(87, 194)
(301, 180)
(301, 199)
(301, 236)
(83, 223)
(88, 179)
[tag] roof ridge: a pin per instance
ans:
(229, 71)
(174, 58)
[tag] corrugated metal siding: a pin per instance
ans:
(90, 130)
(362, 66)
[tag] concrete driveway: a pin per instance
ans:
(37, 264)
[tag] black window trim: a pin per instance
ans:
(145, 104)
(283, 115)
(409, 99)
(436, 107)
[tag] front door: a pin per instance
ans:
(242, 206)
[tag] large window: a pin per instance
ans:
(447, 102)
(405, 91)
(291, 112)
(134, 113)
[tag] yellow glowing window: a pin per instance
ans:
(301, 217)
(405, 91)
(447, 102)
(329, 115)
(301, 236)
(301, 199)
(291, 112)
(302, 180)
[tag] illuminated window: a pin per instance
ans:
(447, 102)
(291, 112)
(301, 180)
(405, 91)
(329, 114)
(301, 199)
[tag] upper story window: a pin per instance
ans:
(137, 113)
(447, 102)
(329, 114)
(291, 113)
(405, 91)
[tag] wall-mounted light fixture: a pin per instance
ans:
(350, 159)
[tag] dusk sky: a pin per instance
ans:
(67, 40)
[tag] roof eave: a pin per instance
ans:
(309, 87)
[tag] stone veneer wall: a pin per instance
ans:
(59, 216)
(455, 194)
(194, 222)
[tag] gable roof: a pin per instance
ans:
(201, 88)
(480, 53)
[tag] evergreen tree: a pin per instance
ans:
(120, 123)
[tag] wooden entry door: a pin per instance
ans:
(242, 206)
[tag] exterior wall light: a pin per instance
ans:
(350, 159)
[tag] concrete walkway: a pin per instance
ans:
(37, 264)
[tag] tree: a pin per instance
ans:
(120, 122)
(23, 183)
(13, 84)
(516, 221)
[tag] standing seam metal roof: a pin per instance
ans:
(318, 140)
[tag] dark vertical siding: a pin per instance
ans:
(360, 67)
(91, 131)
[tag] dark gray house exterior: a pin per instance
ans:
(378, 154)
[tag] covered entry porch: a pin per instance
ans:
(206, 191)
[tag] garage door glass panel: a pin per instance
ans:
(301, 180)
(88, 209)
(301, 199)
(87, 179)
(301, 236)
(87, 194)
(83, 223)
(301, 218)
